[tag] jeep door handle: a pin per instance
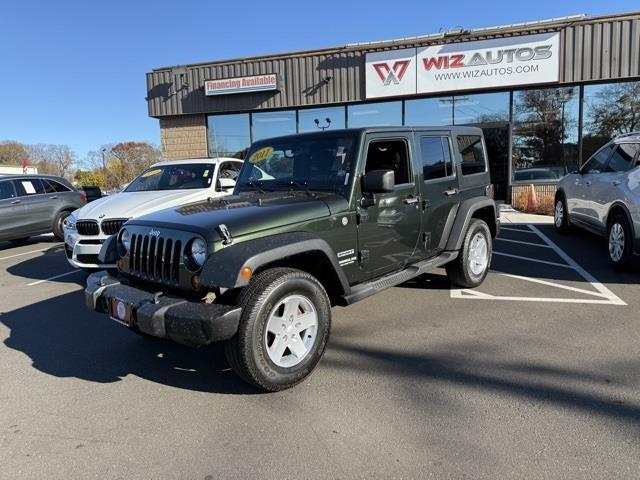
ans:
(15, 202)
(411, 200)
(451, 192)
(588, 183)
(616, 183)
(54, 197)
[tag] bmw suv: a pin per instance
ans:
(604, 197)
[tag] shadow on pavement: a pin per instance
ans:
(64, 339)
(49, 263)
(40, 239)
(529, 382)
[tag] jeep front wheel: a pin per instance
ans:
(472, 265)
(283, 330)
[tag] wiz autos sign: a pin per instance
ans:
(503, 62)
(255, 83)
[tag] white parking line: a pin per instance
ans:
(52, 278)
(523, 243)
(605, 296)
(23, 253)
(515, 230)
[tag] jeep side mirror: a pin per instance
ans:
(378, 181)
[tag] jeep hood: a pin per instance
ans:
(245, 213)
(134, 204)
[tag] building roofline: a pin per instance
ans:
(454, 34)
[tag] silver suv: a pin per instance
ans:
(604, 198)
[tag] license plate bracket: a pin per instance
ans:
(121, 312)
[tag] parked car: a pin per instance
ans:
(604, 198)
(163, 185)
(316, 220)
(92, 192)
(35, 204)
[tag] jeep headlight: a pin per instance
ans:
(198, 251)
(125, 241)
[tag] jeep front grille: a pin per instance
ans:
(87, 227)
(156, 259)
(112, 226)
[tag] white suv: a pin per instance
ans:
(163, 185)
(604, 198)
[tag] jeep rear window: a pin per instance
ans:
(472, 152)
(322, 162)
(174, 177)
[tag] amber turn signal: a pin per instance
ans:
(195, 282)
(246, 273)
(119, 264)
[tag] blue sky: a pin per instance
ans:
(73, 72)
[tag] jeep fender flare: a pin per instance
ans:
(463, 218)
(222, 269)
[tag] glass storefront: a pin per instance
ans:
(609, 109)
(273, 124)
(312, 119)
(481, 108)
(545, 133)
(228, 135)
(384, 114)
(429, 111)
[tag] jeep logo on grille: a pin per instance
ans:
(154, 233)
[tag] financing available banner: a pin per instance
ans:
(501, 62)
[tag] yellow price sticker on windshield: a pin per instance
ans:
(151, 173)
(205, 174)
(261, 154)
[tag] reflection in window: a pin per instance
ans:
(429, 112)
(436, 157)
(545, 133)
(228, 135)
(472, 153)
(273, 124)
(609, 110)
(327, 118)
(375, 115)
(482, 108)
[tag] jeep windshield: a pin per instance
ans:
(174, 177)
(320, 162)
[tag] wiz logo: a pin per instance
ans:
(391, 74)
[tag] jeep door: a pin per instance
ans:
(389, 230)
(440, 197)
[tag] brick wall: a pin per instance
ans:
(183, 137)
(545, 194)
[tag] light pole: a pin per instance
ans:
(103, 151)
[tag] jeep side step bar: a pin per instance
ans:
(367, 289)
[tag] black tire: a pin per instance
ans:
(58, 231)
(19, 241)
(459, 271)
(247, 352)
(619, 258)
(561, 220)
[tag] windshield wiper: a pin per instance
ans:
(304, 186)
(254, 185)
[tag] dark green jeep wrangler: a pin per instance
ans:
(316, 220)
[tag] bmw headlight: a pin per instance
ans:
(125, 240)
(198, 251)
(70, 222)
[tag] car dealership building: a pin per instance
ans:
(546, 93)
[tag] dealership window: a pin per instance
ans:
(228, 135)
(273, 124)
(482, 108)
(436, 157)
(608, 110)
(429, 112)
(375, 114)
(327, 118)
(545, 133)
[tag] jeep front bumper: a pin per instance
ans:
(183, 321)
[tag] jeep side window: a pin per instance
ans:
(472, 152)
(598, 162)
(436, 157)
(622, 157)
(389, 155)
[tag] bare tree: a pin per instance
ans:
(12, 153)
(52, 159)
(615, 110)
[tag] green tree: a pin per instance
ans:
(87, 178)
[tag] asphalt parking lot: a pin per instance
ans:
(535, 374)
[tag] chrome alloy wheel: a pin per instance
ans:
(478, 254)
(559, 213)
(291, 331)
(616, 242)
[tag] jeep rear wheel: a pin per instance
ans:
(472, 265)
(283, 330)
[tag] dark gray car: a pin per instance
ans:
(35, 204)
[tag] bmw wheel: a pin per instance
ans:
(283, 330)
